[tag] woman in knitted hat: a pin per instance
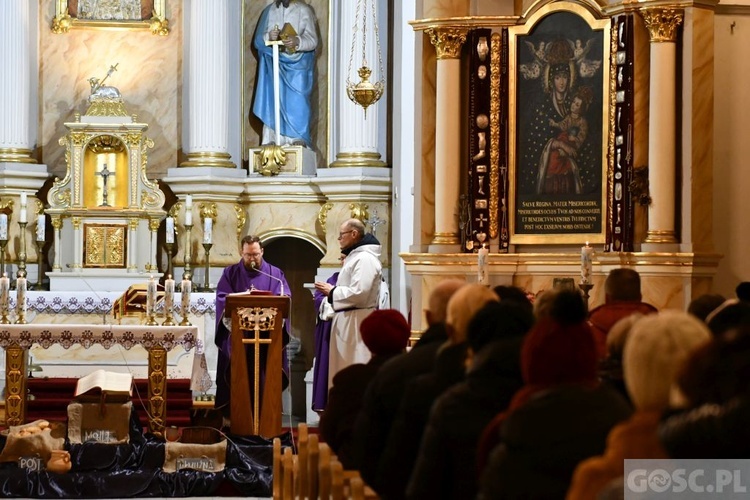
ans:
(385, 332)
(561, 416)
(656, 349)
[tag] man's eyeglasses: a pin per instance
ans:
(252, 255)
(341, 235)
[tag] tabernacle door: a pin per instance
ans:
(256, 321)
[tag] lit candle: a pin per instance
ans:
(185, 298)
(21, 297)
(3, 226)
(587, 255)
(170, 229)
(482, 271)
(150, 296)
(4, 294)
(22, 214)
(208, 224)
(168, 295)
(40, 223)
(188, 210)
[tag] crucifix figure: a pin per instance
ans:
(374, 222)
(104, 173)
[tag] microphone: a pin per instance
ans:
(256, 269)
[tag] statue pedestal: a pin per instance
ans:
(299, 161)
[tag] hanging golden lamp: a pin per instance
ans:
(365, 93)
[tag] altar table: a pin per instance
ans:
(157, 340)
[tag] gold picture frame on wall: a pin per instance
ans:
(97, 14)
(559, 123)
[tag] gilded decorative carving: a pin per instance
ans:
(159, 25)
(208, 210)
(447, 41)
(612, 124)
(106, 143)
(495, 131)
(104, 245)
(76, 223)
(153, 225)
(133, 224)
(15, 391)
(61, 23)
(175, 209)
(107, 108)
(241, 218)
(323, 215)
(150, 200)
(359, 211)
(662, 23)
(157, 388)
(57, 223)
(78, 139)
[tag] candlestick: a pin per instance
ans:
(4, 226)
(4, 299)
(586, 289)
(187, 273)
(22, 213)
(208, 225)
(40, 265)
(21, 273)
(21, 301)
(170, 255)
(150, 302)
(185, 287)
(170, 229)
(206, 284)
(168, 301)
(587, 254)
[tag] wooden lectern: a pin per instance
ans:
(256, 320)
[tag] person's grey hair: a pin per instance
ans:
(356, 225)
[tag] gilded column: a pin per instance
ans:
(15, 86)
(447, 42)
(208, 86)
(357, 134)
(662, 24)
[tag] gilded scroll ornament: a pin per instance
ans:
(495, 103)
(359, 211)
(323, 215)
(241, 218)
(447, 41)
(662, 23)
(208, 210)
(176, 208)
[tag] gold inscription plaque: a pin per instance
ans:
(104, 245)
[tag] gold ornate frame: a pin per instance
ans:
(158, 23)
(515, 34)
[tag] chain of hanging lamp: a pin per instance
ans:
(365, 93)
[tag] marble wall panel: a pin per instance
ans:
(149, 77)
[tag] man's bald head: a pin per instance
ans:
(438, 302)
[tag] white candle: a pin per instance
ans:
(21, 297)
(170, 229)
(482, 272)
(150, 296)
(168, 295)
(40, 223)
(208, 224)
(4, 294)
(22, 214)
(3, 226)
(185, 303)
(188, 210)
(587, 254)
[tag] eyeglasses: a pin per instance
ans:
(252, 255)
(341, 235)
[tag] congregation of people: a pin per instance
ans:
(510, 396)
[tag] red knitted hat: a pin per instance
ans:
(385, 331)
